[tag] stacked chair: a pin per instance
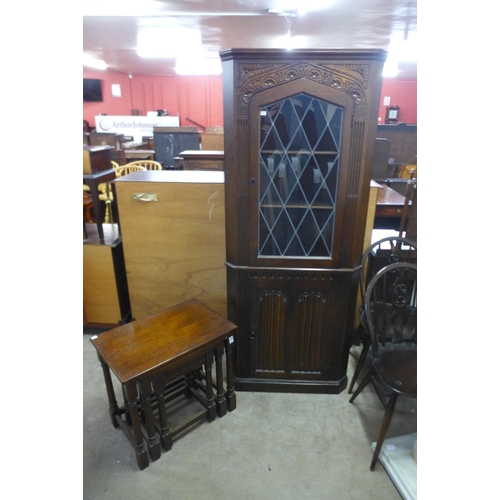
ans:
(105, 192)
(147, 164)
(386, 251)
(128, 169)
(387, 329)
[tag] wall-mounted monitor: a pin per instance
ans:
(92, 90)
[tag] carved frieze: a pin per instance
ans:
(349, 78)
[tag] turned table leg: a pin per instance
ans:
(153, 443)
(140, 448)
(221, 402)
(230, 394)
(211, 408)
(164, 430)
(113, 405)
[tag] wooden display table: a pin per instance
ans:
(159, 358)
(389, 202)
(200, 159)
(390, 208)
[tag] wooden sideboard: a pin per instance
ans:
(202, 160)
(173, 231)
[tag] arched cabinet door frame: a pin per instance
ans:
(314, 90)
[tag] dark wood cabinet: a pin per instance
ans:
(170, 141)
(299, 132)
(97, 159)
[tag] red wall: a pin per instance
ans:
(200, 98)
(110, 105)
(403, 93)
(190, 97)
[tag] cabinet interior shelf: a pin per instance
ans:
(323, 206)
(298, 152)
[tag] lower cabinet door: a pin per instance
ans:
(295, 338)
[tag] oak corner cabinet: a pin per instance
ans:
(299, 134)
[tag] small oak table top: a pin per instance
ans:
(148, 345)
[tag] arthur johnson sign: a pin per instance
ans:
(134, 125)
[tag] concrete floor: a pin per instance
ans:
(272, 447)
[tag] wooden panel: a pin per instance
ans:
(370, 221)
(97, 159)
(174, 247)
(309, 325)
(100, 296)
(212, 141)
(202, 160)
(403, 139)
(271, 332)
(214, 130)
(370, 218)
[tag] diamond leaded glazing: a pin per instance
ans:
(298, 173)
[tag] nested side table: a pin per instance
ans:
(159, 358)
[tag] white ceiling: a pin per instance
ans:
(112, 35)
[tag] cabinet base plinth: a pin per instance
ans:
(294, 386)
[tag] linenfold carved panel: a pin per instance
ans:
(310, 314)
(272, 321)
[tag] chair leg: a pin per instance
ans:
(360, 363)
(362, 385)
(108, 214)
(389, 412)
(356, 336)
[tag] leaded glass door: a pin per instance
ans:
(299, 158)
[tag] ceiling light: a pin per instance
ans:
(123, 7)
(294, 8)
(391, 68)
(290, 42)
(198, 66)
(163, 42)
(400, 49)
(93, 63)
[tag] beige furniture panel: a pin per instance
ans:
(174, 244)
(101, 304)
(370, 221)
(212, 141)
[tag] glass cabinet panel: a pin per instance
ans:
(299, 159)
